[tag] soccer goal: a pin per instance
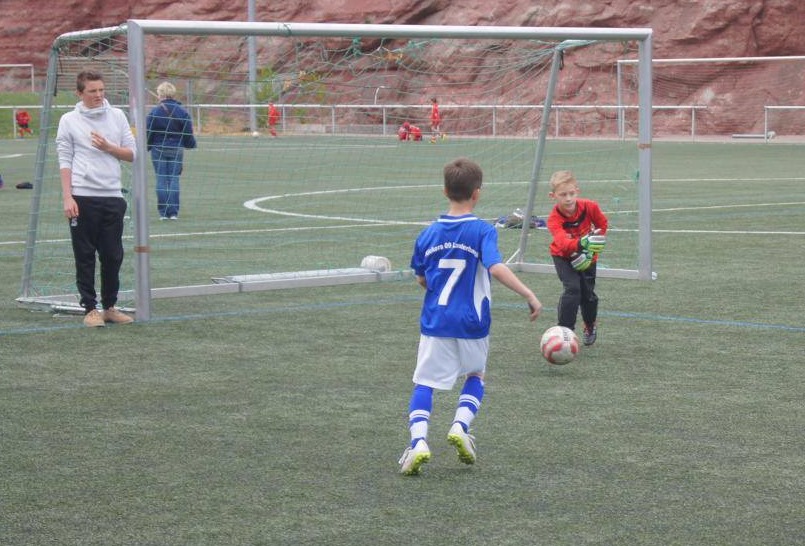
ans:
(336, 184)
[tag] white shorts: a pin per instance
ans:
(441, 360)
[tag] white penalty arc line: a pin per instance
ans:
(254, 204)
(284, 148)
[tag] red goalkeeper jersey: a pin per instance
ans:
(567, 230)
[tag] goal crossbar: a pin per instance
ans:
(236, 28)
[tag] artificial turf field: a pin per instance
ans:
(278, 417)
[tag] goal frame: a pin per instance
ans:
(136, 31)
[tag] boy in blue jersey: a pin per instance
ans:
(453, 259)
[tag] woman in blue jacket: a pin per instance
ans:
(169, 131)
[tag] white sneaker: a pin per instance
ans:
(463, 442)
(413, 458)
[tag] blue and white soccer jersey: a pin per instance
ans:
(454, 255)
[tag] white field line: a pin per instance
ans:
(254, 204)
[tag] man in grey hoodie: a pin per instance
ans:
(91, 142)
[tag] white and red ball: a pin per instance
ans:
(559, 345)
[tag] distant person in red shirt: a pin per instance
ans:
(23, 119)
(409, 132)
(273, 119)
(578, 228)
(435, 121)
(404, 131)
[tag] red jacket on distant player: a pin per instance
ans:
(273, 119)
(409, 132)
(23, 118)
(567, 231)
(273, 114)
(435, 117)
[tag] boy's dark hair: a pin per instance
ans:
(86, 76)
(462, 176)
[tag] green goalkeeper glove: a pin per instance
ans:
(582, 261)
(593, 242)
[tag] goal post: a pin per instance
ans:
(335, 185)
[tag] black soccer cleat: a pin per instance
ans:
(589, 334)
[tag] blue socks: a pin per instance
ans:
(469, 401)
(421, 405)
(419, 412)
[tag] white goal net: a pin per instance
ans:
(301, 201)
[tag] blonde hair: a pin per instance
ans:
(562, 177)
(166, 90)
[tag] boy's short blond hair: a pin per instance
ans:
(166, 90)
(563, 177)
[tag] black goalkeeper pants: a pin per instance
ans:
(98, 229)
(578, 293)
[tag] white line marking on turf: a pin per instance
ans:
(307, 148)
(726, 232)
(363, 224)
(745, 205)
(253, 205)
(730, 180)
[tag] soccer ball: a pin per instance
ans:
(559, 345)
(376, 263)
(255, 134)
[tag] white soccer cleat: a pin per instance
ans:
(463, 442)
(413, 458)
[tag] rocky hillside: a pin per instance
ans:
(682, 28)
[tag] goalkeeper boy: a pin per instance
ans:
(578, 227)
